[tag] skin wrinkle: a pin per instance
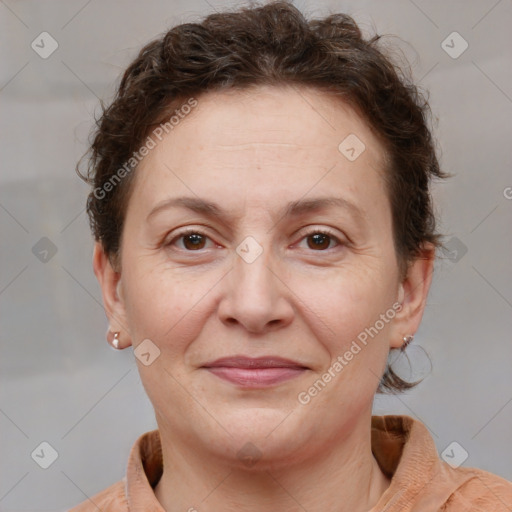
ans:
(257, 144)
(292, 301)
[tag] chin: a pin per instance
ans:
(263, 438)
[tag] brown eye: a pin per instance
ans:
(193, 241)
(319, 241)
(189, 241)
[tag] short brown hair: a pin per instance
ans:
(273, 45)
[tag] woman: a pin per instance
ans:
(264, 237)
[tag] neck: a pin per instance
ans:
(346, 477)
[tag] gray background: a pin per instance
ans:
(61, 383)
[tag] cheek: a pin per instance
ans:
(344, 303)
(164, 307)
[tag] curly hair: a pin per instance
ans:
(275, 45)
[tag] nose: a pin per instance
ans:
(256, 296)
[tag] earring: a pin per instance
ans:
(116, 340)
(407, 340)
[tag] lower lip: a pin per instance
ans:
(256, 377)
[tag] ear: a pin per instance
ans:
(412, 293)
(111, 289)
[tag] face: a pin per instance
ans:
(256, 254)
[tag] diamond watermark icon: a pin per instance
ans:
(44, 455)
(454, 249)
(249, 454)
(44, 249)
(454, 45)
(44, 45)
(351, 147)
(249, 249)
(147, 352)
(454, 454)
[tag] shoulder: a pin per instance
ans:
(111, 499)
(480, 491)
(421, 480)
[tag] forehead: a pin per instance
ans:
(265, 115)
(288, 139)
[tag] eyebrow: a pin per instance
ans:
(292, 209)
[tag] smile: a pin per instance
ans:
(255, 372)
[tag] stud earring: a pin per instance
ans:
(116, 340)
(407, 341)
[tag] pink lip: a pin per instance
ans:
(255, 372)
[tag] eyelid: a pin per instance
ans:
(310, 230)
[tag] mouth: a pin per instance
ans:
(257, 372)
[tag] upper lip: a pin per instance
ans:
(253, 362)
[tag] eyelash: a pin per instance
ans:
(323, 231)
